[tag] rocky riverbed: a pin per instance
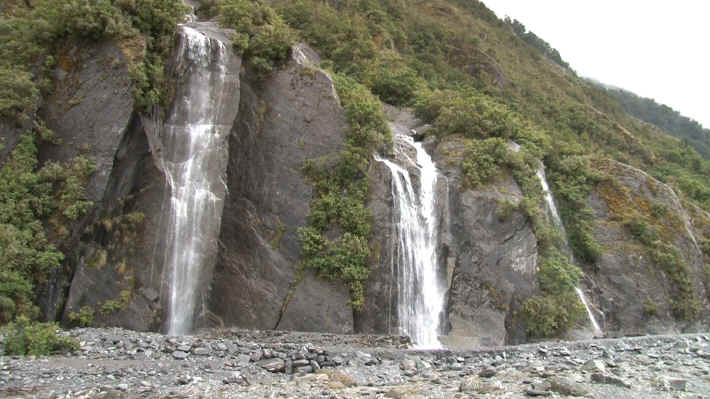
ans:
(116, 363)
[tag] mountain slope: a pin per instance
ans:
(633, 202)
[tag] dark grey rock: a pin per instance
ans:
(284, 120)
(487, 372)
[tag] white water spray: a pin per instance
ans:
(420, 286)
(193, 162)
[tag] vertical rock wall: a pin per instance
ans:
(290, 117)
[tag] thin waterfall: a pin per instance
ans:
(193, 162)
(552, 208)
(595, 325)
(420, 286)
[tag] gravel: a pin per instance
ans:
(235, 363)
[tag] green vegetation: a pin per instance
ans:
(33, 33)
(537, 42)
(666, 118)
(653, 226)
(684, 303)
(261, 35)
(26, 338)
(84, 318)
(474, 77)
(29, 196)
(558, 308)
(341, 190)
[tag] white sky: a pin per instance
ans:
(655, 48)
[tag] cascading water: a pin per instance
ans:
(552, 208)
(194, 161)
(595, 325)
(420, 286)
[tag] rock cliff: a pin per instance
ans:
(651, 277)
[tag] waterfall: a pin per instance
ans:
(547, 194)
(595, 325)
(554, 214)
(420, 286)
(194, 161)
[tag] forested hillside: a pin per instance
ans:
(665, 118)
(476, 79)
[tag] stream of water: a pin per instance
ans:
(552, 208)
(420, 286)
(192, 162)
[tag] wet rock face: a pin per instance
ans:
(631, 288)
(91, 113)
(489, 258)
(494, 259)
(90, 108)
(290, 117)
(119, 264)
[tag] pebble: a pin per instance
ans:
(120, 363)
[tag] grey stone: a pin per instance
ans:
(610, 379)
(678, 384)
(594, 366)
(476, 385)
(566, 386)
(408, 364)
(256, 355)
(487, 372)
(273, 365)
(180, 355)
(201, 351)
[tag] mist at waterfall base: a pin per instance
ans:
(417, 282)
(194, 141)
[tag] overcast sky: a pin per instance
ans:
(655, 48)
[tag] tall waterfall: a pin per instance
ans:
(552, 208)
(194, 161)
(420, 286)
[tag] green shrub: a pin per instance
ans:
(26, 338)
(84, 318)
(650, 309)
(261, 35)
(340, 195)
(484, 161)
(29, 196)
(393, 80)
(642, 231)
(468, 113)
(551, 315)
(557, 274)
(684, 303)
